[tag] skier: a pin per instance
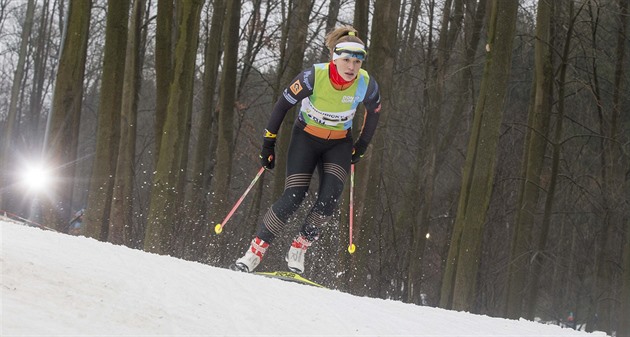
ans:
(76, 223)
(329, 94)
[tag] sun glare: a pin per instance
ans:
(36, 178)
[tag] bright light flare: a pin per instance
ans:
(36, 178)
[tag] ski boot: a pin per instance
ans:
(295, 256)
(253, 256)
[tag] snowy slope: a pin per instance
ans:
(59, 285)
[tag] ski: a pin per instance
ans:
(281, 275)
(290, 276)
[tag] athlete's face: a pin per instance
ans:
(348, 67)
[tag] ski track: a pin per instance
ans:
(54, 284)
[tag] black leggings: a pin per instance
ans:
(306, 152)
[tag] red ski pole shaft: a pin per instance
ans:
(351, 246)
(219, 227)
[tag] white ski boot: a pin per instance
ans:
(253, 256)
(295, 256)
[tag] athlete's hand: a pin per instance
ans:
(268, 154)
(358, 150)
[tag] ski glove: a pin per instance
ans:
(268, 152)
(358, 150)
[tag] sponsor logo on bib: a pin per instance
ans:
(347, 99)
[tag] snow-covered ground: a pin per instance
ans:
(59, 285)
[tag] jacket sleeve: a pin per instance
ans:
(372, 104)
(301, 87)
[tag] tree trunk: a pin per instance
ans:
(619, 161)
(533, 160)
(344, 260)
(624, 313)
(206, 143)
(11, 126)
(121, 222)
(472, 31)
(331, 21)
(541, 241)
(40, 76)
(366, 262)
(427, 154)
(225, 133)
(612, 178)
(163, 213)
(290, 66)
(361, 20)
(409, 28)
(62, 133)
(460, 280)
(108, 128)
(163, 66)
(256, 30)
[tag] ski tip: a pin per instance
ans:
(218, 228)
(352, 248)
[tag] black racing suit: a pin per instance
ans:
(332, 157)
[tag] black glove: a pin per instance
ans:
(358, 150)
(268, 153)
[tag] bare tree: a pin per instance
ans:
(361, 18)
(331, 21)
(108, 128)
(166, 193)
(227, 105)
(618, 165)
(425, 55)
(290, 64)
(624, 329)
(256, 34)
(204, 158)
(11, 126)
(120, 219)
(533, 158)
(459, 283)
(163, 66)
(62, 134)
(383, 53)
(436, 76)
(41, 75)
(611, 172)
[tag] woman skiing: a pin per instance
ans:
(329, 94)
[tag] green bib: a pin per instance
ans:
(330, 108)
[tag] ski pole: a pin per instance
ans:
(351, 246)
(219, 227)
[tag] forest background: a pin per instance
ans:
(497, 182)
